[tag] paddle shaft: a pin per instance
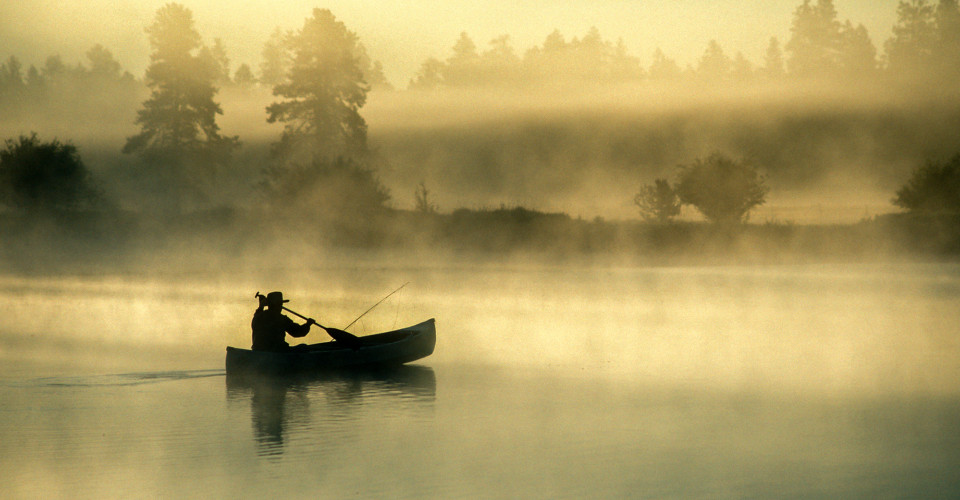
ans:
(295, 313)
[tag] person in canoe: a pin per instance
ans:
(270, 326)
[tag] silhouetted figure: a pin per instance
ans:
(270, 326)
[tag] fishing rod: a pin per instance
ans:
(375, 305)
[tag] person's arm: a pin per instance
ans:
(296, 330)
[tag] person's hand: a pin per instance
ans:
(311, 321)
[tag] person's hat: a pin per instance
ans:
(276, 298)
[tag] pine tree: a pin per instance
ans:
(11, 78)
(500, 64)
(274, 63)
(623, 66)
(179, 134)
(714, 65)
(910, 49)
(463, 68)
(741, 69)
(372, 70)
(322, 93)
(814, 43)
(858, 56)
(429, 76)
(773, 68)
(663, 68)
(947, 51)
(102, 63)
(216, 56)
(244, 77)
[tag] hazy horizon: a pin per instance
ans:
(402, 35)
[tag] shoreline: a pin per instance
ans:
(228, 238)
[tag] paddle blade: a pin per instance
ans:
(348, 339)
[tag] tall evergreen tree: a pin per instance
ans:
(34, 80)
(625, 67)
(11, 77)
(773, 68)
(554, 42)
(910, 49)
(663, 68)
(244, 77)
(321, 94)
(216, 56)
(858, 56)
(429, 76)
(814, 42)
(947, 51)
(463, 68)
(178, 130)
(714, 64)
(102, 63)
(54, 68)
(372, 70)
(541, 63)
(741, 69)
(273, 65)
(500, 63)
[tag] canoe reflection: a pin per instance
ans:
(282, 406)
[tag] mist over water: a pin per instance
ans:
(723, 381)
(823, 328)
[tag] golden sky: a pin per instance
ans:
(401, 34)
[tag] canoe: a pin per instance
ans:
(381, 350)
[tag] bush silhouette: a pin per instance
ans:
(722, 189)
(934, 187)
(44, 176)
(333, 189)
(657, 201)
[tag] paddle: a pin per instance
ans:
(348, 339)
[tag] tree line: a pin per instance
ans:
(101, 67)
(925, 45)
(321, 162)
(26, 90)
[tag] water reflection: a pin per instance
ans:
(283, 406)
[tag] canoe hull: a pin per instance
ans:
(381, 350)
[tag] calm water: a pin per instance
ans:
(809, 381)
